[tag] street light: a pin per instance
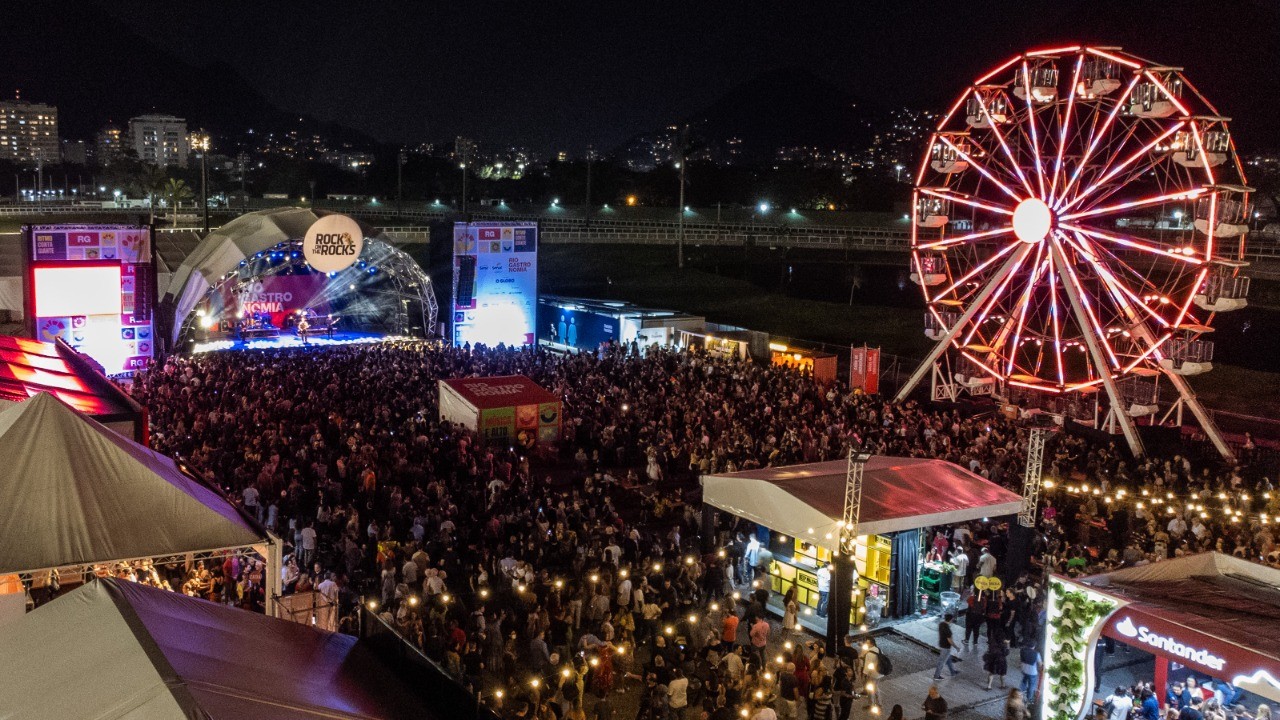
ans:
(201, 142)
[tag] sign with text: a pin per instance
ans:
(864, 369)
(495, 283)
(93, 286)
(333, 243)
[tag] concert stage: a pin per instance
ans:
(289, 340)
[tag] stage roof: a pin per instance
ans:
(74, 492)
(500, 392)
(1219, 597)
(28, 367)
(807, 501)
(117, 649)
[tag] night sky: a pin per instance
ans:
(562, 75)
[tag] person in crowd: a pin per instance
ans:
(499, 543)
(946, 648)
(934, 706)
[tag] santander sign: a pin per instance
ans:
(1142, 634)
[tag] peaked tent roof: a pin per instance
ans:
(117, 649)
(807, 501)
(74, 492)
(499, 391)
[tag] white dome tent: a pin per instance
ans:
(246, 246)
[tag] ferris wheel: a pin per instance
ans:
(1079, 217)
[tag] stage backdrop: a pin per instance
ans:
(277, 295)
(94, 287)
(495, 282)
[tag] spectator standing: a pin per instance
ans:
(946, 648)
(934, 706)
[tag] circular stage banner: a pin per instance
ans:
(333, 243)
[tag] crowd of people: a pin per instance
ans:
(551, 580)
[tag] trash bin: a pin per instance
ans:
(875, 607)
(950, 601)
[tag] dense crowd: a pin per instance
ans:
(543, 578)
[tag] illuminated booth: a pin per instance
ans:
(820, 365)
(1209, 616)
(574, 324)
(511, 409)
(797, 510)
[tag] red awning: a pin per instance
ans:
(500, 392)
(897, 494)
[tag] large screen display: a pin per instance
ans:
(93, 287)
(495, 283)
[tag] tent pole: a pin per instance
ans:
(275, 556)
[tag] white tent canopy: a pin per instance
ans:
(74, 492)
(117, 649)
(807, 501)
(222, 250)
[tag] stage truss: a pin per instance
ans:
(385, 290)
(1079, 218)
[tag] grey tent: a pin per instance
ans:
(74, 492)
(117, 649)
(222, 250)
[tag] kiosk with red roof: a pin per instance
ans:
(502, 409)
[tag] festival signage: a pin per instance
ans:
(277, 296)
(864, 369)
(495, 283)
(93, 286)
(1136, 625)
(332, 243)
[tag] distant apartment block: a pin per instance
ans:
(29, 133)
(159, 140)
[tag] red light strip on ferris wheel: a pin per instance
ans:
(1097, 138)
(1161, 252)
(1119, 292)
(1031, 123)
(983, 170)
(985, 264)
(1208, 170)
(998, 70)
(1053, 51)
(1084, 300)
(1113, 283)
(1117, 58)
(1057, 323)
(1149, 351)
(1062, 133)
(1186, 307)
(1137, 155)
(966, 200)
(1176, 103)
(1013, 162)
(990, 301)
(993, 373)
(1107, 210)
(1040, 264)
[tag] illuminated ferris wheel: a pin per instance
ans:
(1079, 218)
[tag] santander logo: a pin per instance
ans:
(1144, 635)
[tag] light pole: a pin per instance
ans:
(680, 211)
(400, 161)
(201, 143)
(590, 157)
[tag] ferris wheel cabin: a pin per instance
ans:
(932, 212)
(948, 157)
(1227, 209)
(1041, 80)
(1157, 98)
(1212, 149)
(1098, 76)
(930, 270)
(987, 106)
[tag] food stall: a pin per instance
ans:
(821, 365)
(506, 409)
(797, 510)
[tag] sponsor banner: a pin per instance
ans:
(864, 369)
(121, 341)
(1200, 651)
(495, 289)
(333, 243)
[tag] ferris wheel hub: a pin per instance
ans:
(1032, 220)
